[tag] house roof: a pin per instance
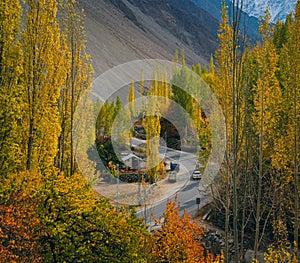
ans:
(129, 156)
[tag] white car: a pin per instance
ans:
(197, 175)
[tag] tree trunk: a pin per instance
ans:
(260, 174)
(296, 180)
(29, 145)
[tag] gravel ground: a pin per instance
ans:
(129, 192)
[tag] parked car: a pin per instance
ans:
(197, 175)
(174, 166)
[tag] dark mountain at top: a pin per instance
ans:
(185, 20)
(248, 23)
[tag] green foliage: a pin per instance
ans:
(131, 101)
(108, 114)
(106, 117)
(81, 227)
(53, 218)
(106, 150)
(188, 96)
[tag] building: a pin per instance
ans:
(131, 161)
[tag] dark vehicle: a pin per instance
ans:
(174, 166)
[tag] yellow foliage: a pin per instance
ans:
(278, 255)
(11, 89)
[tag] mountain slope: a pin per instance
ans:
(119, 31)
(249, 24)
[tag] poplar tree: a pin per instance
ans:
(229, 89)
(151, 123)
(77, 82)
(43, 75)
(11, 89)
(141, 85)
(288, 145)
(267, 101)
(131, 101)
(223, 91)
(295, 58)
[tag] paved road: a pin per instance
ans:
(186, 196)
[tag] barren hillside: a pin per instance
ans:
(119, 31)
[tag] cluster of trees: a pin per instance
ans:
(149, 114)
(257, 193)
(54, 218)
(48, 212)
(44, 71)
(258, 89)
(107, 114)
(190, 96)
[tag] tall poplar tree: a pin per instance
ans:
(223, 91)
(44, 72)
(289, 80)
(151, 123)
(229, 59)
(295, 58)
(267, 101)
(11, 89)
(76, 83)
(131, 101)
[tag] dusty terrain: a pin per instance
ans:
(120, 31)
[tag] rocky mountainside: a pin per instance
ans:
(249, 24)
(119, 31)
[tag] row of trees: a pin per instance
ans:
(48, 212)
(258, 89)
(44, 71)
